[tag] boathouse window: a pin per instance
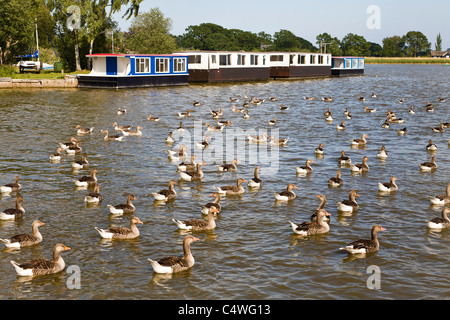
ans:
(225, 59)
(276, 57)
(162, 65)
(312, 59)
(361, 63)
(254, 60)
(301, 59)
(142, 65)
(214, 59)
(320, 59)
(348, 64)
(240, 59)
(179, 65)
(195, 59)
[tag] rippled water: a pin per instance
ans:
(252, 254)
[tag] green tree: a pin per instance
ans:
(416, 43)
(438, 44)
(285, 40)
(393, 46)
(332, 44)
(355, 45)
(150, 33)
(375, 50)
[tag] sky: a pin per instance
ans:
(374, 19)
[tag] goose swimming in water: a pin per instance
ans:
(84, 130)
(360, 167)
(287, 194)
(87, 181)
(187, 166)
(123, 208)
(388, 186)
(228, 166)
(343, 159)
(360, 142)
(440, 222)
(25, 240)
(166, 194)
(95, 196)
(341, 126)
(441, 199)
(365, 246)
(57, 155)
(81, 164)
(169, 265)
(198, 224)
(228, 190)
(255, 182)
(336, 181)
(215, 203)
(13, 213)
(439, 129)
(382, 154)
(318, 226)
(11, 187)
(306, 169)
(431, 147)
(196, 174)
(429, 165)
(349, 205)
(109, 137)
(41, 267)
(121, 232)
(121, 111)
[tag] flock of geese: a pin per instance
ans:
(192, 171)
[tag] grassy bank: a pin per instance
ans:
(407, 60)
(13, 73)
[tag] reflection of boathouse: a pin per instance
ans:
(347, 66)
(135, 70)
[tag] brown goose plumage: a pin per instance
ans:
(121, 232)
(173, 264)
(12, 213)
(365, 246)
(336, 181)
(24, 239)
(166, 194)
(215, 203)
(123, 208)
(318, 226)
(11, 187)
(232, 190)
(198, 224)
(42, 266)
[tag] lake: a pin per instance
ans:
(253, 253)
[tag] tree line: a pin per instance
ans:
(71, 35)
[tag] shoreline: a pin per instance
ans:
(69, 81)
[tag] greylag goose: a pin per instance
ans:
(257, 139)
(198, 224)
(308, 228)
(11, 187)
(429, 165)
(151, 118)
(123, 208)
(121, 111)
(95, 196)
(81, 164)
(246, 115)
(108, 137)
(277, 141)
(84, 130)
(74, 149)
(388, 186)
(187, 166)
(373, 95)
(215, 203)
(402, 131)
(382, 154)
(349, 205)
(360, 142)
(197, 174)
(66, 145)
(185, 114)
(439, 129)
(343, 159)
(361, 98)
(57, 155)
(327, 99)
(402, 100)
(411, 110)
(13, 213)
(365, 246)
(121, 232)
(336, 181)
(386, 124)
(196, 103)
(283, 107)
(224, 123)
(431, 147)
(441, 99)
(132, 132)
(429, 107)
(323, 201)
(273, 121)
(441, 199)
(232, 190)
(255, 182)
(170, 138)
(170, 265)
(24, 239)
(176, 154)
(86, 181)
(360, 167)
(216, 114)
(166, 194)
(368, 110)
(309, 98)
(440, 222)
(234, 109)
(319, 150)
(122, 128)
(41, 267)
(213, 129)
(287, 194)
(203, 144)
(341, 126)
(228, 166)
(306, 169)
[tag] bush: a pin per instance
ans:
(7, 71)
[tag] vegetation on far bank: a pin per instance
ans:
(405, 60)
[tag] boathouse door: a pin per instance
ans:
(111, 66)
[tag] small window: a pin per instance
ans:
(224, 59)
(312, 59)
(241, 60)
(162, 65)
(254, 59)
(348, 64)
(195, 59)
(214, 58)
(361, 63)
(276, 57)
(179, 65)
(320, 59)
(301, 59)
(142, 65)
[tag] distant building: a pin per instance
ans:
(440, 54)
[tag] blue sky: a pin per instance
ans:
(307, 19)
